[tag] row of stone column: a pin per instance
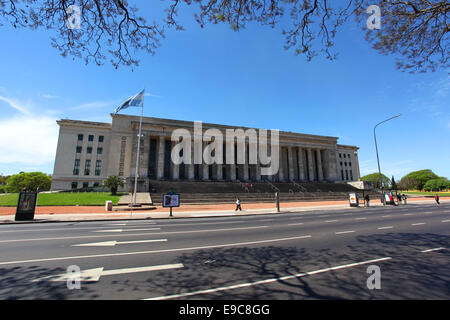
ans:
(299, 169)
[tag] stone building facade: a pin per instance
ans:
(89, 152)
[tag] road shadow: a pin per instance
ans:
(410, 274)
(16, 283)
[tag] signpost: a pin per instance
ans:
(353, 200)
(171, 200)
(26, 206)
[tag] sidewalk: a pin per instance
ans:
(94, 213)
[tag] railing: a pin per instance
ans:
(272, 185)
(302, 189)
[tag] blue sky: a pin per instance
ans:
(241, 78)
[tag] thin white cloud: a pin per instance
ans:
(28, 140)
(152, 95)
(49, 96)
(95, 105)
(15, 104)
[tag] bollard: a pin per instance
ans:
(108, 206)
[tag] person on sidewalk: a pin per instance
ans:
(404, 198)
(436, 197)
(367, 200)
(238, 205)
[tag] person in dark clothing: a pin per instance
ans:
(367, 200)
(436, 197)
(238, 205)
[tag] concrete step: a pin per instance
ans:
(142, 198)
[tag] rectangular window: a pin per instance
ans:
(85, 185)
(74, 185)
(342, 174)
(98, 167)
(79, 149)
(76, 167)
(87, 168)
(89, 150)
(96, 184)
(91, 137)
(80, 137)
(99, 150)
(351, 175)
(100, 138)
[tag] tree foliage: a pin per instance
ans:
(29, 180)
(417, 179)
(416, 31)
(439, 184)
(375, 179)
(114, 182)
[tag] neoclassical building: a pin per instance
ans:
(89, 152)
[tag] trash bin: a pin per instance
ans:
(108, 206)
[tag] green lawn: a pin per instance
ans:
(441, 194)
(64, 199)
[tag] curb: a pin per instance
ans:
(109, 219)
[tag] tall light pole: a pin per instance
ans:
(376, 148)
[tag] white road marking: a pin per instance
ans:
(430, 250)
(387, 216)
(418, 224)
(134, 234)
(249, 284)
(113, 243)
(347, 214)
(120, 230)
(382, 228)
(68, 228)
(342, 232)
(428, 212)
(156, 251)
(408, 214)
(323, 216)
(95, 274)
(360, 218)
(445, 220)
(329, 221)
(295, 224)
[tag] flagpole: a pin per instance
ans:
(138, 149)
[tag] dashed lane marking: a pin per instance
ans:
(342, 232)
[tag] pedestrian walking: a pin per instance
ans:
(404, 198)
(436, 197)
(399, 198)
(367, 200)
(238, 205)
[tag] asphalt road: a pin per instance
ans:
(305, 255)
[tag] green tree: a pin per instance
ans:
(393, 184)
(29, 180)
(114, 182)
(415, 31)
(421, 177)
(437, 184)
(407, 184)
(375, 179)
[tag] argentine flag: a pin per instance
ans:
(134, 101)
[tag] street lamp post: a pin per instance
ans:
(378, 159)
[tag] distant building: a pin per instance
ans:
(89, 152)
